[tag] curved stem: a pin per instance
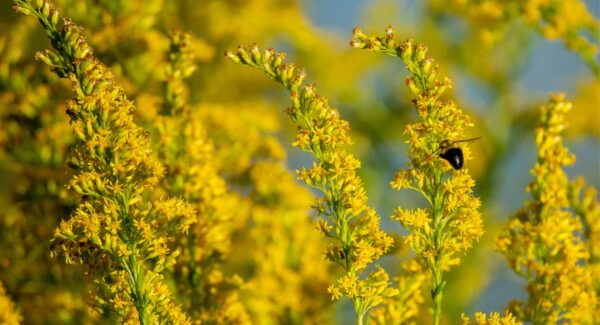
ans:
(137, 287)
(438, 283)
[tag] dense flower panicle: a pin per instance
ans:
(541, 241)
(9, 315)
(322, 132)
(567, 20)
(453, 221)
(494, 319)
(116, 231)
(191, 172)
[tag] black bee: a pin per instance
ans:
(452, 153)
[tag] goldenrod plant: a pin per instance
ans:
(116, 231)
(192, 173)
(452, 222)
(351, 223)
(541, 241)
(213, 136)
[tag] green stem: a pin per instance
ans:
(138, 295)
(437, 294)
(438, 283)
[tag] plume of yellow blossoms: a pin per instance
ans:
(541, 241)
(191, 172)
(452, 222)
(567, 20)
(351, 223)
(117, 231)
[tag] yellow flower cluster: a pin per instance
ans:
(191, 172)
(35, 138)
(116, 231)
(567, 20)
(403, 308)
(587, 208)
(8, 313)
(494, 319)
(453, 221)
(291, 281)
(351, 222)
(540, 241)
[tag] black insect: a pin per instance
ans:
(452, 153)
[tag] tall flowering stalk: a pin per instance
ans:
(452, 222)
(351, 223)
(192, 173)
(117, 231)
(541, 241)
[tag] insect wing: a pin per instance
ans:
(467, 140)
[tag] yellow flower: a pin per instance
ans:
(291, 276)
(493, 319)
(192, 172)
(452, 222)
(587, 208)
(404, 307)
(541, 243)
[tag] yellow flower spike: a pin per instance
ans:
(453, 221)
(101, 117)
(192, 172)
(323, 133)
(540, 242)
